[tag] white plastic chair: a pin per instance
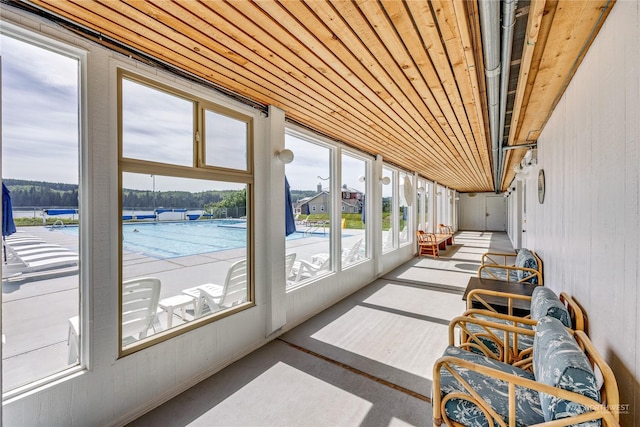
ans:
(217, 297)
(289, 259)
(349, 256)
(139, 306)
(304, 269)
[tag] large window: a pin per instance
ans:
(389, 239)
(186, 180)
(406, 201)
(441, 198)
(40, 169)
(422, 198)
(309, 177)
(353, 189)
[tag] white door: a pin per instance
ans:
(496, 213)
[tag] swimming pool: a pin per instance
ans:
(177, 239)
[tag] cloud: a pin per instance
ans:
(312, 160)
(40, 113)
(40, 127)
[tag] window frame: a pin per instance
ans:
(304, 135)
(51, 44)
(199, 170)
(394, 211)
(368, 168)
(409, 222)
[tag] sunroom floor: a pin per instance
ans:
(366, 361)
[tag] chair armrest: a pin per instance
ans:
(476, 295)
(529, 272)
(481, 313)
(504, 336)
(498, 258)
(596, 409)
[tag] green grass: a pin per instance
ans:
(354, 221)
(31, 221)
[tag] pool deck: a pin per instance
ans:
(36, 311)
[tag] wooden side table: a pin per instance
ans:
(520, 307)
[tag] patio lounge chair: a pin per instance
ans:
(304, 269)
(22, 241)
(37, 256)
(289, 259)
(43, 263)
(58, 254)
(217, 297)
(349, 256)
(33, 249)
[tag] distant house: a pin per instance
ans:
(352, 200)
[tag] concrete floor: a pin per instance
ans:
(366, 361)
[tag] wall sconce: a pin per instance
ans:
(285, 156)
(420, 189)
(384, 180)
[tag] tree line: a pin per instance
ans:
(40, 194)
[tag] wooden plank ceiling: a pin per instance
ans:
(399, 78)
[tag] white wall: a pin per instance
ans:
(588, 227)
(473, 209)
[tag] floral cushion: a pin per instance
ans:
(526, 259)
(524, 341)
(544, 302)
(558, 361)
(494, 391)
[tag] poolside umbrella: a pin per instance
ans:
(8, 226)
(289, 220)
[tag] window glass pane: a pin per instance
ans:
(421, 193)
(156, 125)
(354, 242)
(406, 199)
(387, 210)
(428, 194)
(184, 243)
(40, 167)
(441, 207)
(309, 179)
(226, 141)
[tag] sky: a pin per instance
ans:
(39, 113)
(40, 129)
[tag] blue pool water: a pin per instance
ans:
(176, 239)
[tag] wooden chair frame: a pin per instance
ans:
(607, 409)
(503, 260)
(427, 244)
(504, 337)
(447, 231)
(507, 344)
(575, 311)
